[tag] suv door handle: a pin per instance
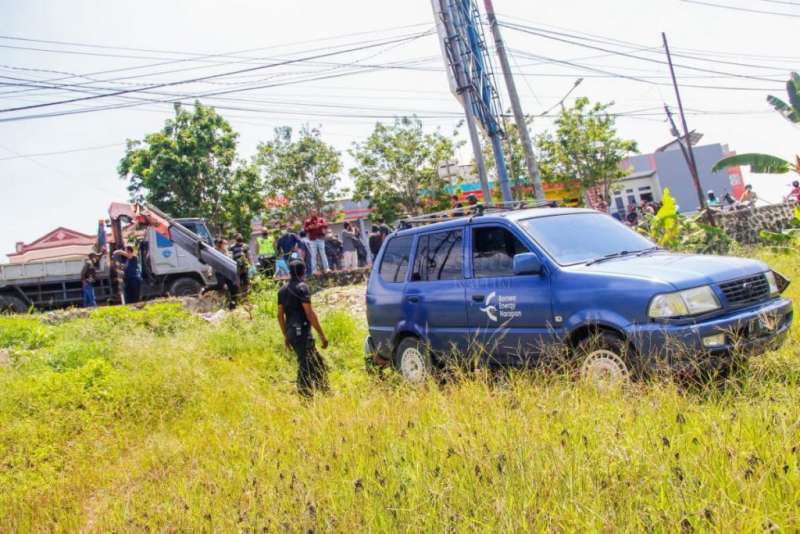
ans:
(413, 298)
(478, 298)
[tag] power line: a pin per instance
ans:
(199, 57)
(556, 36)
(704, 51)
(212, 76)
(639, 79)
(59, 152)
(733, 8)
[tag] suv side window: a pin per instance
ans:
(394, 264)
(438, 257)
(493, 250)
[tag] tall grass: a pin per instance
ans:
(153, 420)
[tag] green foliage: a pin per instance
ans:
(304, 170)
(765, 163)
(585, 148)
(398, 166)
(190, 169)
(201, 430)
(791, 110)
(22, 332)
(672, 230)
(760, 163)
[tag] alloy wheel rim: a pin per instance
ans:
(604, 367)
(412, 365)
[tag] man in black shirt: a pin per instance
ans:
(296, 318)
(375, 241)
(383, 228)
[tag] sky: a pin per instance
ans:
(92, 48)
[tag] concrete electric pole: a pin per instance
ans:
(465, 91)
(516, 107)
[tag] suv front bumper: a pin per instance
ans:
(747, 332)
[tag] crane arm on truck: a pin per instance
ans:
(148, 215)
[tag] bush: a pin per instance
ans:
(672, 230)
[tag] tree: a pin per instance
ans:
(765, 163)
(398, 166)
(190, 169)
(304, 171)
(585, 148)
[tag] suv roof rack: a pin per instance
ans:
(473, 211)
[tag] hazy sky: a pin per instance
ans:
(146, 42)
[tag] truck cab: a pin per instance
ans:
(515, 287)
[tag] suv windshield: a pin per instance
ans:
(583, 237)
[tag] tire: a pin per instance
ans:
(12, 304)
(185, 287)
(413, 361)
(602, 359)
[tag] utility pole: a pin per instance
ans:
(466, 91)
(691, 161)
(516, 107)
(678, 136)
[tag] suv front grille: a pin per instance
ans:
(746, 290)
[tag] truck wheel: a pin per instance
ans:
(413, 360)
(12, 304)
(602, 360)
(185, 287)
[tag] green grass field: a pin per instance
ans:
(154, 420)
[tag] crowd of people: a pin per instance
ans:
(319, 248)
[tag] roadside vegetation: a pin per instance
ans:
(156, 420)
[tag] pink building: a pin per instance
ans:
(61, 243)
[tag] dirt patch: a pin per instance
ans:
(62, 316)
(5, 358)
(350, 299)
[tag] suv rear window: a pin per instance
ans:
(493, 250)
(394, 264)
(438, 257)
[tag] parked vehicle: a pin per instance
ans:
(177, 258)
(512, 285)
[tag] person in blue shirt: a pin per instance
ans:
(132, 274)
(287, 244)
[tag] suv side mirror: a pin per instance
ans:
(527, 263)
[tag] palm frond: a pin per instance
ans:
(758, 163)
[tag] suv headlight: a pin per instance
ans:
(681, 303)
(773, 284)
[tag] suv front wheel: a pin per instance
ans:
(413, 360)
(602, 360)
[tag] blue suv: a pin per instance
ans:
(513, 285)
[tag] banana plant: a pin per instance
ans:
(766, 163)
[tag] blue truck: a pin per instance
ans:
(514, 286)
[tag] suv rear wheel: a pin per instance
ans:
(602, 360)
(413, 360)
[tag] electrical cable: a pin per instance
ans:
(556, 37)
(210, 76)
(733, 8)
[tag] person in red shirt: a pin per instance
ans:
(315, 227)
(794, 194)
